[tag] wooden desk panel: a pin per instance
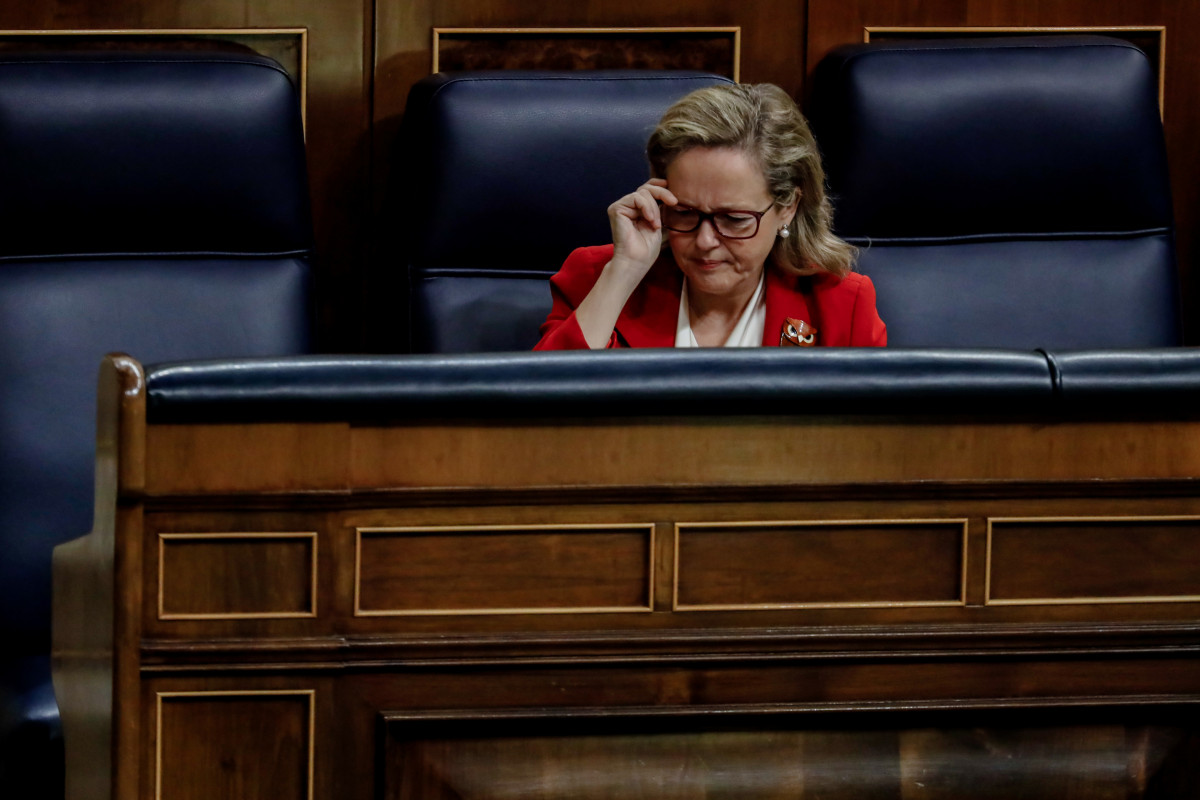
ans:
(430, 609)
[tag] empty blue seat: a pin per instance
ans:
(153, 202)
(1006, 192)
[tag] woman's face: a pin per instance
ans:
(716, 179)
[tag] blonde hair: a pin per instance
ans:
(762, 121)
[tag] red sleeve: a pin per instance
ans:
(568, 287)
(866, 327)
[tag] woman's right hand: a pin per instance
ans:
(637, 238)
(637, 227)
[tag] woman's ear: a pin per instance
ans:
(789, 211)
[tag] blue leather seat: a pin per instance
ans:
(1007, 192)
(507, 172)
(155, 203)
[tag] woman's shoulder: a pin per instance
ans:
(849, 301)
(592, 258)
(580, 271)
(850, 282)
(583, 266)
(846, 287)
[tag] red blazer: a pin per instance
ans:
(841, 309)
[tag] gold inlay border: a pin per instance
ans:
(962, 522)
(734, 31)
(243, 36)
(360, 532)
(1015, 30)
(988, 600)
(414, 720)
(165, 538)
(309, 695)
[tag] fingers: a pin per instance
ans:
(648, 206)
(643, 203)
(637, 228)
(658, 188)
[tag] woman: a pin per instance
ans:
(737, 183)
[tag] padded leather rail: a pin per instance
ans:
(607, 383)
(1154, 383)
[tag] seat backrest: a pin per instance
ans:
(151, 202)
(1006, 192)
(504, 174)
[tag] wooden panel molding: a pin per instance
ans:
(504, 569)
(713, 49)
(1088, 560)
(243, 744)
(820, 564)
(237, 575)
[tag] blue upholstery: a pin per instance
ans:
(1007, 192)
(507, 172)
(154, 203)
(759, 381)
(150, 153)
(1156, 383)
(1161, 383)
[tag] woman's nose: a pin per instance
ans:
(706, 235)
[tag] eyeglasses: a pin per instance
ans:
(729, 224)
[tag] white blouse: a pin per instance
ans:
(749, 329)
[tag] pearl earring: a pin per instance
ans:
(784, 232)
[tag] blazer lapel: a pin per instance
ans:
(785, 298)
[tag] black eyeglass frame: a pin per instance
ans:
(711, 216)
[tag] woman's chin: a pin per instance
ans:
(717, 279)
(701, 282)
(712, 272)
